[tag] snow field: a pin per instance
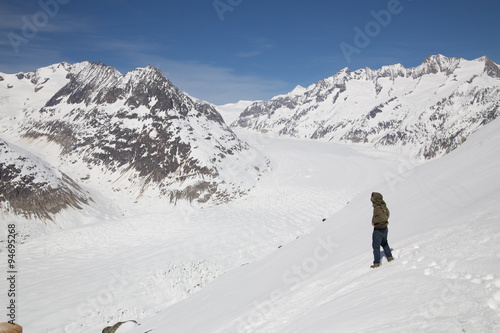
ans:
(121, 260)
(444, 231)
(267, 263)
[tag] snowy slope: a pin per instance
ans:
(32, 188)
(445, 233)
(266, 262)
(231, 111)
(425, 111)
(131, 266)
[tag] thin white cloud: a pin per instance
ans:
(213, 83)
(25, 33)
(256, 46)
(248, 54)
(30, 57)
(35, 18)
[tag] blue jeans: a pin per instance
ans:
(380, 239)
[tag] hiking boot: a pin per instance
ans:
(375, 266)
(390, 259)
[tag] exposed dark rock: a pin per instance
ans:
(32, 189)
(373, 112)
(112, 329)
(491, 68)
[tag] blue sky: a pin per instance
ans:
(227, 50)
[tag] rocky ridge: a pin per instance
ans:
(425, 111)
(137, 128)
(32, 188)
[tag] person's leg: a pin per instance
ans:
(376, 242)
(385, 245)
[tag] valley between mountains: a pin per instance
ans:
(136, 203)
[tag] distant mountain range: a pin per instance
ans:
(70, 127)
(425, 111)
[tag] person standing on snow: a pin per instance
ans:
(380, 221)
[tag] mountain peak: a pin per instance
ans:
(371, 106)
(490, 68)
(136, 123)
(148, 74)
(298, 90)
(149, 69)
(436, 58)
(436, 64)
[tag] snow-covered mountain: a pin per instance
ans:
(265, 262)
(32, 188)
(136, 131)
(424, 111)
(231, 111)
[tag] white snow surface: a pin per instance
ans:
(231, 111)
(444, 232)
(267, 262)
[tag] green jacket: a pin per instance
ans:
(381, 213)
